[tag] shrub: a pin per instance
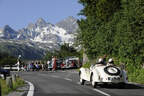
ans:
(86, 65)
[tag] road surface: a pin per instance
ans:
(66, 83)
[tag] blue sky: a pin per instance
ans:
(18, 13)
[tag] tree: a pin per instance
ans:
(65, 51)
(113, 27)
(6, 59)
(93, 29)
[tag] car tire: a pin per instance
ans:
(94, 84)
(122, 85)
(82, 81)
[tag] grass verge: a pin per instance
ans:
(5, 89)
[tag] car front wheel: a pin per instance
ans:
(94, 84)
(82, 81)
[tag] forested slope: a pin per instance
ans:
(114, 28)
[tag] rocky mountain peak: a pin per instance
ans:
(8, 29)
(39, 37)
(31, 26)
(8, 33)
(41, 22)
(69, 24)
(71, 18)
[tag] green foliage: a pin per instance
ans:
(5, 90)
(6, 59)
(135, 74)
(115, 28)
(87, 65)
(65, 51)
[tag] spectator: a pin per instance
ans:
(54, 64)
(37, 66)
(62, 66)
(25, 67)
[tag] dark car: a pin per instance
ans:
(4, 72)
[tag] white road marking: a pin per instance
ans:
(101, 92)
(63, 71)
(78, 83)
(31, 89)
(98, 91)
(68, 79)
(55, 76)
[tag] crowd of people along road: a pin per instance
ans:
(37, 66)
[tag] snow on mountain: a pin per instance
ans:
(1, 34)
(69, 24)
(39, 36)
(53, 34)
(45, 32)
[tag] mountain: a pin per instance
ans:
(16, 48)
(34, 40)
(45, 32)
(69, 24)
(8, 33)
(1, 33)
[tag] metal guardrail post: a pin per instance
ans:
(0, 90)
(9, 82)
(13, 78)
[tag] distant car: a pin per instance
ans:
(4, 73)
(71, 62)
(104, 74)
(58, 63)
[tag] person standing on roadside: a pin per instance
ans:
(42, 65)
(62, 66)
(48, 65)
(37, 66)
(54, 63)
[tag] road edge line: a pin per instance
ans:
(137, 84)
(101, 92)
(31, 89)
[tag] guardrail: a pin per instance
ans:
(12, 68)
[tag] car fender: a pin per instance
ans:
(96, 75)
(85, 74)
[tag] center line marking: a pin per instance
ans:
(101, 92)
(55, 76)
(68, 79)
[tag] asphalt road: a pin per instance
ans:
(66, 83)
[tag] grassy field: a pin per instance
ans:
(5, 90)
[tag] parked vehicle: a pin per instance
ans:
(103, 74)
(71, 62)
(4, 73)
(58, 63)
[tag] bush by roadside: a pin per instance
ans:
(5, 89)
(135, 74)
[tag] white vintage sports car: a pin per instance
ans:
(106, 74)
